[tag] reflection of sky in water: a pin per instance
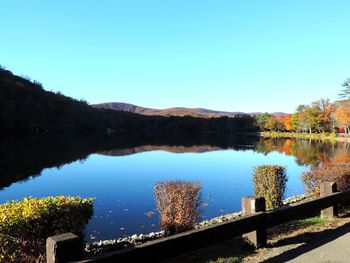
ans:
(123, 186)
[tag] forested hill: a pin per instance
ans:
(176, 111)
(27, 108)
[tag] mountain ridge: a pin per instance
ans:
(174, 111)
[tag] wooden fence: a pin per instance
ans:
(253, 225)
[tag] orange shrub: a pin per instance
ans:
(178, 203)
(339, 173)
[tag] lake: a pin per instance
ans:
(121, 173)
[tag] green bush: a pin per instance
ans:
(270, 182)
(25, 225)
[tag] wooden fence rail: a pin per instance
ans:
(255, 224)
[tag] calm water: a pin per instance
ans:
(122, 179)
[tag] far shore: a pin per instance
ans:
(310, 136)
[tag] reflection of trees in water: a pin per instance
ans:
(25, 156)
(329, 161)
(341, 153)
(178, 203)
(307, 152)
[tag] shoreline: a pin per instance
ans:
(310, 136)
(104, 246)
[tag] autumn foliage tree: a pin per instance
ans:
(270, 125)
(342, 115)
(285, 122)
(316, 117)
(178, 203)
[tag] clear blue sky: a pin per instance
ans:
(226, 55)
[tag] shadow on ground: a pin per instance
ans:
(232, 251)
(309, 242)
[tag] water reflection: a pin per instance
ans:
(178, 204)
(123, 185)
(26, 157)
(307, 152)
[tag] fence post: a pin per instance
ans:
(63, 248)
(251, 205)
(327, 188)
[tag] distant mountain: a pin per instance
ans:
(176, 111)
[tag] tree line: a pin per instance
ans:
(25, 107)
(319, 116)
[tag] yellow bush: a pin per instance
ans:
(25, 224)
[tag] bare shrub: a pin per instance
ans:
(339, 173)
(178, 203)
